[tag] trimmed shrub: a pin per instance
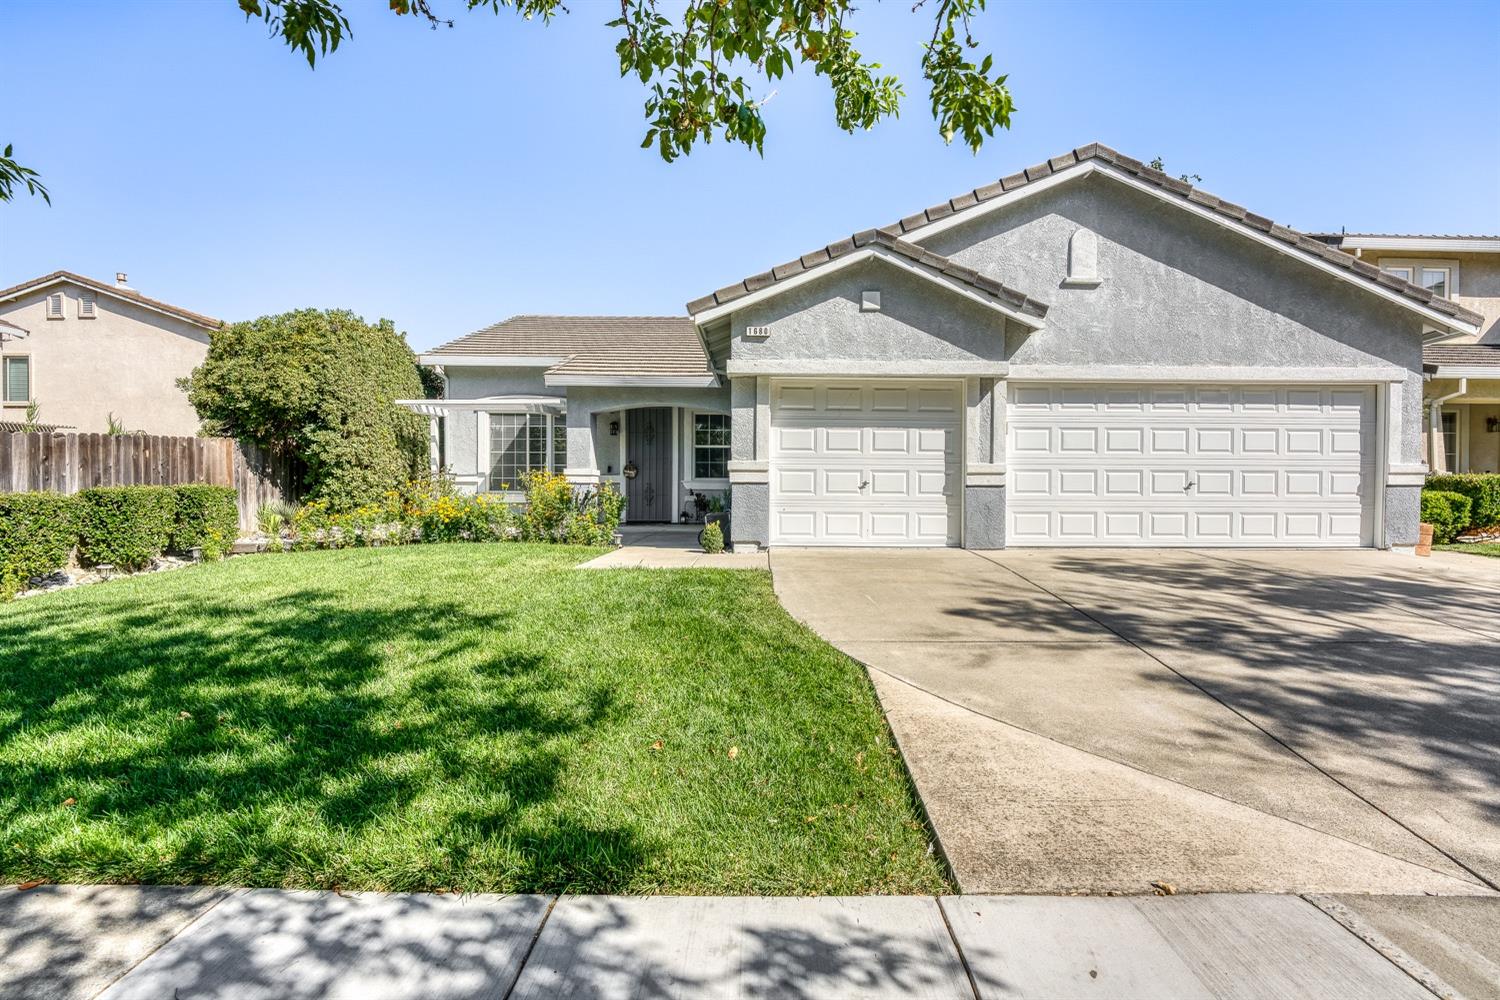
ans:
(1483, 492)
(713, 538)
(125, 526)
(1448, 513)
(37, 532)
(207, 517)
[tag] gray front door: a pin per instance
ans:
(648, 446)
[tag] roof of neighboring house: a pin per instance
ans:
(1011, 297)
(1400, 236)
(19, 427)
(1462, 355)
(1301, 243)
(592, 345)
(127, 294)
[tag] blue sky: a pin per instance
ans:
(447, 179)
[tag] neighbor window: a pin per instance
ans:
(18, 379)
(1450, 441)
(710, 446)
(1440, 277)
(522, 443)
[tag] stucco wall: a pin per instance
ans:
(126, 362)
(476, 383)
(1403, 505)
(917, 319)
(751, 523)
(1177, 291)
(1478, 284)
(984, 517)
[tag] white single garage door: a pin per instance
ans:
(1207, 465)
(865, 462)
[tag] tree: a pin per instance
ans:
(13, 175)
(694, 62)
(318, 386)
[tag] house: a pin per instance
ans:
(1088, 352)
(1462, 397)
(84, 350)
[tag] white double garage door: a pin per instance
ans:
(880, 463)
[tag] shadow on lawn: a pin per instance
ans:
(316, 739)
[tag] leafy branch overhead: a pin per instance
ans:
(13, 175)
(709, 66)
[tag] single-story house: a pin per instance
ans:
(1088, 352)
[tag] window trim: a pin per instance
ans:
(5, 361)
(483, 432)
(1415, 265)
(708, 482)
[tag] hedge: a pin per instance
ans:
(36, 536)
(1448, 513)
(125, 526)
(1483, 492)
(207, 517)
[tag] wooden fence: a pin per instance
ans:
(67, 463)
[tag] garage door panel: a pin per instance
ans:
(866, 463)
(1217, 465)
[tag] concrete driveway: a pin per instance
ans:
(1095, 721)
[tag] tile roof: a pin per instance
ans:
(1097, 152)
(1017, 300)
(1467, 355)
(19, 427)
(130, 294)
(590, 345)
(1402, 236)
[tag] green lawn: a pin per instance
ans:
(1491, 549)
(473, 717)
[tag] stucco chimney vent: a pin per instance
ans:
(120, 280)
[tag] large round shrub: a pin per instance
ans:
(1448, 513)
(319, 387)
(1483, 492)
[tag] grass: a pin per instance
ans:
(1491, 549)
(467, 717)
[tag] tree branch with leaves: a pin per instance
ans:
(709, 68)
(14, 176)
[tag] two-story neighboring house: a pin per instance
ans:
(84, 350)
(1461, 401)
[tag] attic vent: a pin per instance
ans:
(757, 332)
(1083, 260)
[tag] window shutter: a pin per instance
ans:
(86, 302)
(55, 305)
(17, 380)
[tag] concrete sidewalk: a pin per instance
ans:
(145, 943)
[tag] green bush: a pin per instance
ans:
(125, 526)
(1483, 492)
(207, 517)
(37, 532)
(1447, 512)
(713, 537)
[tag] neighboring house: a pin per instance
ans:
(1462, 399)
(84, 349)
(1089, 352)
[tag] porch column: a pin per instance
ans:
(749, 462)
(581, 468)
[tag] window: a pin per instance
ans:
(1440, 277)
(710, 446)
(522, 443)
(18, 379)
(55, 305)
(86, 305)
(1450, 441)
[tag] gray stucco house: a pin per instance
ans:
(1088, 352)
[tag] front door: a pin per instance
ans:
(648, 449)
